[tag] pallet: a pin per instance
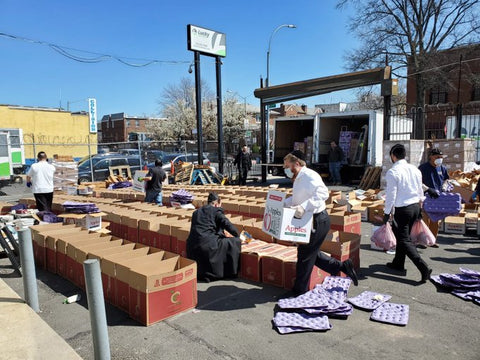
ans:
(371, 178)
(120, 171)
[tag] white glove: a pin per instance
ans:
(299, 211)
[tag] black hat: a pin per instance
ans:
(436, 151)
(298, 154)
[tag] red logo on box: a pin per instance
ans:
(267, 221)
(171, 279)
(275, 197)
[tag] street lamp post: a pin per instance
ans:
(267, 82)
(242, 97)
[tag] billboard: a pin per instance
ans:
(92, 115)
(206, 41)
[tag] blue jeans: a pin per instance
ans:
(153, 196)
(334, 168)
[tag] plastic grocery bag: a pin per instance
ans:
(421, 234)
(384, 238)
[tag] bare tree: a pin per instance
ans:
(411, 33)
(179, 110)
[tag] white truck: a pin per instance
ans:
(325, 127)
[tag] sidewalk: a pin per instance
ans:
(24, 335)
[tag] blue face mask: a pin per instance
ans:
(288, 172)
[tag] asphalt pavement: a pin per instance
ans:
(233, 318)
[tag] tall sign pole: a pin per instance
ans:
(218, 66)
(211, 43)
(198, 100)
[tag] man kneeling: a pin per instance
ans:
(217, 256)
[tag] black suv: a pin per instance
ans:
(101, 164)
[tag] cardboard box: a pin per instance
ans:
(471, 221)
(280, 222)
(162, 289)
(107, 265)
(150, 232)
(51, 248)
(273, 272)
(179, 239)
(347, 248)
(87, 221)
(346, 222)
(465, 193)
(290, 274)
(375, 213)
(251, 256)
(454, 225)
(122, 276)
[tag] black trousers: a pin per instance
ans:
(242, 176)
(403, 221)
(44, 201)
(309, 254)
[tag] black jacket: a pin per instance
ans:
(335, 155)
(243, 160)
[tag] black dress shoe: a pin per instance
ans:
(426, 276)
(392, 266)
(347, 268)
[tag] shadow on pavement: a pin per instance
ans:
(230, 297)
(379, 271)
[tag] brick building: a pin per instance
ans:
(453, 85)
(121, 127)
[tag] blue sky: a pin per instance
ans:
(35, 75)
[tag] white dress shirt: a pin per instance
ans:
(42, 177)
(404, 186)
(309, 191)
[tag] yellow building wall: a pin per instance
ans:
(49, 130)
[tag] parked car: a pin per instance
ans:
(130, 152)
(152, 155)
(101, 165)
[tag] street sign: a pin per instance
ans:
(206, 41)
(272, 106)
(92, 114)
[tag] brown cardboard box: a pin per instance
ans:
(465, 193)
(162, 289)
(273, 272)
(346, 222)
(86, 221)
(51, 248)
(251, 259)
(454, 225)
(347, 248)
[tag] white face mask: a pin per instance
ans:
(288, 172)
(438, 161)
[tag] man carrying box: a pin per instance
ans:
(404, 195)
(310, 194)
(217, 256)
(434, 174)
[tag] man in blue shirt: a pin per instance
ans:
(434, 174)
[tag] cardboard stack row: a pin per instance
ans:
(147, 283)
(458, 153)
(66, 173)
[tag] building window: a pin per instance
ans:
(438, 95)
(476, 93)
(128, 123)
(137, 123)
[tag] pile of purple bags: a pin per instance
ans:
(312, 310)
(182, 196)
(465, 285)
(80, 208)
(447, 204)
(121, 185)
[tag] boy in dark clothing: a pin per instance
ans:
(155, 177)
(244, 164)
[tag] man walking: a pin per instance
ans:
(154, 178)
(335, 158)
(434, 174)
(40, 179)
(310, 194)
(244, 164)
(404, 195)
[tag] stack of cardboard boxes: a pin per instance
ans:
(148, 283)
(458, 153)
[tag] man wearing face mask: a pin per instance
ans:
(310, 194)
(434, 174)
(404, 196)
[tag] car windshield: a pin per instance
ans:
(86, 163)
(167, 158)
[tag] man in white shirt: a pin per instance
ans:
(309, 194)
(404, 196)
(40, 178)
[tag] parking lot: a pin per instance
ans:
(233, 318)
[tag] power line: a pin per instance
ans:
(98, 57)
